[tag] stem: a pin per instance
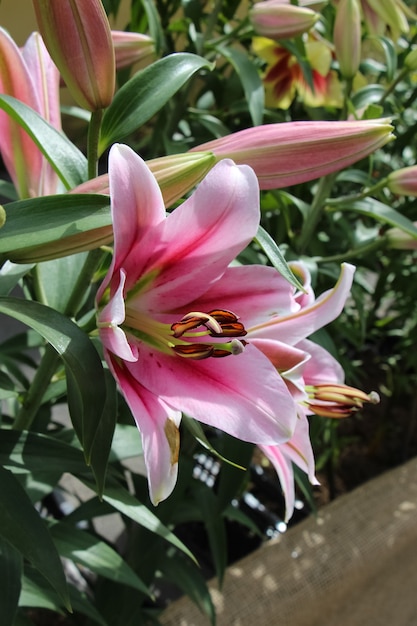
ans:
(92, 142)
(366, 248)
(394, 83)
(211, 22)
(38, 387)
(369, 191)
(316, 210)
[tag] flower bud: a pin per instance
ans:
(132, 48)
(347, 37)
(397, 239)
(410, 60)
(295, 152)
(403, 181)
(78, 37)
(276, 20)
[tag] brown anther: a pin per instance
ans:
(235, 329)
(223, 317)
(179, 328)
(219, 353)
(194, 351)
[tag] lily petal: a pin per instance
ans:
(157, 424)
(223, 393)
(292, 328)
(202, 236)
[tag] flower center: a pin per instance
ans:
(188, 336)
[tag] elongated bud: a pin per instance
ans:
(276, 20)
(338, 400)
(404, 181)
(397, 239)
(347, 37)
(295, 152)
(132, 48)
(78, 37)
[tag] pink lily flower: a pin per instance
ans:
(29, 75)
(168, 351)
(302, 365)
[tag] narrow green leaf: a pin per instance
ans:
(382, 213)
(22, 527)
(104, 436)
(68, 162)
(56, 279)
(81, 359)
(191, 582)
(96, 555)
(35, 451)
(390, 55)
(10, 274)
(11, 564)
(250, 79)
(63, 221)
(146, 93)
(35, 594)
(371, 94)
(268, 245)
(126, 443)
(121, 500)
(215, 527)
(195, 428)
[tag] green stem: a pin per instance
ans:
(366, 248)
(393, 85)
(212, 20)
(316, 210)
(92, 142)
(37, 389)
(369, 191)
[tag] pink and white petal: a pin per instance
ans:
(322, 367)
(299, 449)
(21, 156)
(201, 237)
(156, 422)
(285, 472)
(283, 357)
(254, 293)
(242, 395)
(45, 79)
(108, 321)
(136, 206)
(325, 309)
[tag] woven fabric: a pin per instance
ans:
(354, 564)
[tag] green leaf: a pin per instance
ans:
(59, 224)
(104, 434)
(382, 213)
(371, 94)
(35, 451)
(126, 443)
(100, 558)
(128, 505)
(56, 279)
(10, 274)
(11, 565)
(195, 428)
(22, 527)
(215, 527)
(189, 579)
(390, 55)
(250, 79)
(81, 360)
(35, 594)
(68, 162)
(7, 387)
(146, 93)
(268, 245)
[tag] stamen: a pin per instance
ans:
(194, 351)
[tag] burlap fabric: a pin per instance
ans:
(355, 564)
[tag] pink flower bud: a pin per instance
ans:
(295, 152)
(404, 181)
(278, 20)
(77, 35)
(132, 48)
(347, 37)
